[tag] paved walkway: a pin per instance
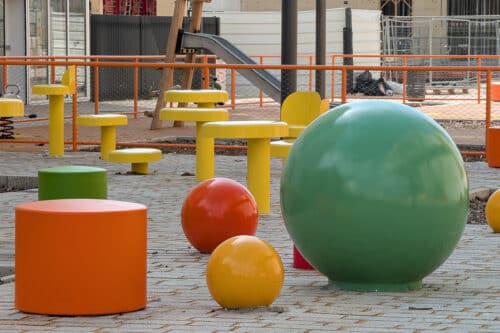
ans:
(463, 295)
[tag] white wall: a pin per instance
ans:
(260, 33)
(221, 5)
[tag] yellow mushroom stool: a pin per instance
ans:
(56, 94)
(258, 134)
(204, 98)
(138, 157)
(9, 107)
(108, 123)
(199, 116)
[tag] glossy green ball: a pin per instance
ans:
(375, 196)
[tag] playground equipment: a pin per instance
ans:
(244, 271)
(9, 107)
(493, 211)
(206, 111)
(72, 181)
(138, 157)
(80, 257)
(108, 123)
(192, 40)
(189, 42)
(56, 93)
(215, 210)
(375, 196)
(258, 135)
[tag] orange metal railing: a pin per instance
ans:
(139, 62)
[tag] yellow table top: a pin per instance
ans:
(11, 107)
(102, 120)
(196, 96)
(50, 89)
(258, 129)
(193, 114)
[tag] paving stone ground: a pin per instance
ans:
(463, 295)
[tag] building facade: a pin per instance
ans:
(388, 7)
(39, 28)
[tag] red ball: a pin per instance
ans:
(215, 210)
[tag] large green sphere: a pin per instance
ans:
(375, 196)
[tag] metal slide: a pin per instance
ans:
(262, 79)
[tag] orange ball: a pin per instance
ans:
(493, 211)
(215, 210)
(244, 271)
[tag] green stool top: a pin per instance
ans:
(72, 182)
(71, 169)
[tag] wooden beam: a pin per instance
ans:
(187, 75)
(168, 73)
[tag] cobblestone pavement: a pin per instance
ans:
(463, 295)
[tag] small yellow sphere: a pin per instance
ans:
(493, 211)
(243, 272)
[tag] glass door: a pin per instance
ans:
(77, 39)
(2, 28)
(58, 28)
(38, 43)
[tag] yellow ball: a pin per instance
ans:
(244, 271)
(493, 211)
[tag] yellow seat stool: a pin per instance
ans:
(199, 116)
(56, 94)
(138, 157)
(108, 123)
(258, 134)
(281, 148)
(9, 107)
(204, 98)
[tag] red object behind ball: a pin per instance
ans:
(218, 209)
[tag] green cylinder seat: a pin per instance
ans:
(72, 182)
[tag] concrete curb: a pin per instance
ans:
(18, 183)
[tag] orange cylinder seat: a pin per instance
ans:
(80, 257)
(493, 146)
(495, 91)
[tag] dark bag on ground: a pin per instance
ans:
(368, 86)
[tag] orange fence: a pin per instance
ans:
(339, 86)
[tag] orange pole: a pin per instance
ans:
(488, 99)
(310, 73)
(344, 86)
(333, 81)
(96, 88)
(4, 77)
(488, 109)
(52, 72)
(261, 95)
(74, 127)
(405, 74)
(136, 88)
(206, 73)
(479, 76)
(233, 89)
